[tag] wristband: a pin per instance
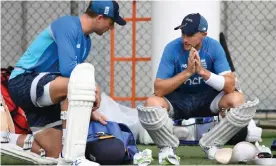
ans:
(216, 81)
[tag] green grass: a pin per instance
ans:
(193, 154)
(190, 155)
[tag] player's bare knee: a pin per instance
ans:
(154, 101)
(240, 98)
(61, 95)
(58, 89)
(35, 147)
(235, 100)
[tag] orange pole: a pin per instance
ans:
(112, 58)
(130, 59)
(129, 98)
(133, 94)
(139, 19)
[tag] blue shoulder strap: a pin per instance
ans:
(96, 128)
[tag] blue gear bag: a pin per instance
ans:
(97, 131)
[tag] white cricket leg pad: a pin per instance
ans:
(63, 116)
(81, 97)
(144, 137)
(16, 151)
(159, 126)
(234, 121)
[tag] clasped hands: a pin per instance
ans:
(194, 65)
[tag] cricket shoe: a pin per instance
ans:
(80, 161)
(167, 156)
(210, 151)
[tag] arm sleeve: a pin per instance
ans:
(221, 64)
(167, 64)
(65, 34)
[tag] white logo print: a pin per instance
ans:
(184, 66)
(106, 10)
(188, 19)
(195, 81)
(78, 45)
(203, 63)
(204, 28)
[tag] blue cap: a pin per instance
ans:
(192, 24)
(109, 9)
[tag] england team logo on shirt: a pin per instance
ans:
(78, 46)
(203, 63)
(184, 66)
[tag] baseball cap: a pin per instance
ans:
(109, 9)
(192, 24)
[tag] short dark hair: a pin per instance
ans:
(90, 12)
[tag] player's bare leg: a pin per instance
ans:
(231, 100)
(50, 140)
(8, 132)
(21, 145)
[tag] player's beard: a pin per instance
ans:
(100, 33)
(197, 47)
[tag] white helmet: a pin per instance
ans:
(243, 151)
